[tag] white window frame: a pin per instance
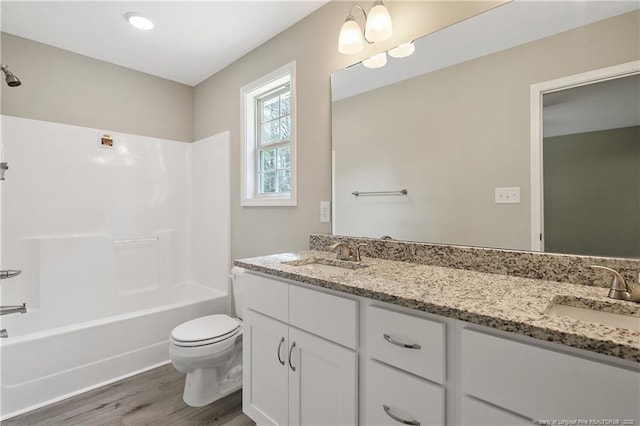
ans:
(249, 94)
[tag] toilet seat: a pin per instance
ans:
(205, 331)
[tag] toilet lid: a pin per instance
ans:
(205, 328)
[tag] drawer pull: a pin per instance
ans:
(400, 419)
(280, 360)
(402, 345)
(291, 350)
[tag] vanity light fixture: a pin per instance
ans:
(379, 60)
(376, 61)
(378, 25)
(139, 21)
(402, 51)
(377, 28)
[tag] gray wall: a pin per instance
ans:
(312, 43)
(592, 193)
(453, 135)
(64, 87)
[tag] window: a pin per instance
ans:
(269, 143)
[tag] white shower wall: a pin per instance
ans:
(90, 226)
(210, 213)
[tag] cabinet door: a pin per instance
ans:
(322, 381)
(264, 381)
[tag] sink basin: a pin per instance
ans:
(329, 269)
(609, 319)
(327, 266)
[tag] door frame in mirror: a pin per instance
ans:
(537, 90)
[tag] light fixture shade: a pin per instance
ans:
(378, 26)
(139, 21)
(350, 39)
(376, 61)
(402, 51)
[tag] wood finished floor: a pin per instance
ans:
(153, 397)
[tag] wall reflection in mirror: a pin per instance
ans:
(451, 124)
(591, 169)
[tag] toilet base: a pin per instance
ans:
(201, 386)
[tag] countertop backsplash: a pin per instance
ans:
(544, 266)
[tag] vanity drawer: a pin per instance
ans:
(404, 396)
(332, 317)
(541, 383)
(387, 332)
(478, 413)
(267, 296)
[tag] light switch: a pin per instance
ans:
(508, 195)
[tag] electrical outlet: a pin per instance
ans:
(325, 211)
(508, 195)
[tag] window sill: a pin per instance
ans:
(269, 202)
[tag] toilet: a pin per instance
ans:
(209, 351)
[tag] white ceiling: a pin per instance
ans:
(191, 40)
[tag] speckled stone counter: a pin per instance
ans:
(563, 268)
(513, 304)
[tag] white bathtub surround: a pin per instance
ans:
(113, 245)
(211, 213)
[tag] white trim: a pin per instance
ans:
(333, 192)
(247, 134)
(537, 90)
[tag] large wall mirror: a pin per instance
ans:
(451, 125)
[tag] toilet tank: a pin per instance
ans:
(237, 290)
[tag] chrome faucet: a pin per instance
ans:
(4, 334)
(619, 288)
(16, 309)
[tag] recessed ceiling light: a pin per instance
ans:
(139, 21)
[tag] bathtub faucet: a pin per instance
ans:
(16, 309)
(3, 334)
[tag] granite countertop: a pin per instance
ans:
(508, 303)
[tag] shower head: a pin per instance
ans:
(11, 79)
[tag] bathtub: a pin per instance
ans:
(46, 359)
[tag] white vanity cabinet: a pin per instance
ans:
(298, 368)
(504, 376)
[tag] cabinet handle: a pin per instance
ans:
(400, 419)
(291, 350)
(280, 360)
(402, 345)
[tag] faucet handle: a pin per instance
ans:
(358, 247)
(618, 284)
